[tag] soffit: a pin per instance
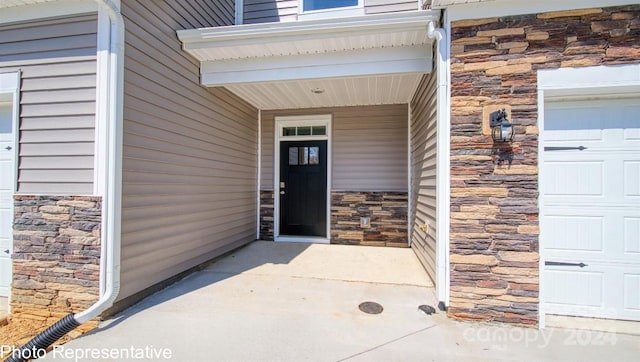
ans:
(365, 60)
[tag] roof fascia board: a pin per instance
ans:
(17, 14)
(274, 32)
(497, 8)
(358, 63)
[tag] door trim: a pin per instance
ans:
(292, 121)
(10, 93)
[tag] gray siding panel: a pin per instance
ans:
(389, 6)
(190, 153)
(57, 60)
(369, 147)
(423, 178)
(268, 11)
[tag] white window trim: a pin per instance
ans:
(297, 121)
(567, 83)
(340, 12)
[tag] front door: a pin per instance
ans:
(7, 154)
(303, 188)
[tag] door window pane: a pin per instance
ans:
(289, 131)
(314, 155)
(304, 131)
(319, 130)
(293, 156)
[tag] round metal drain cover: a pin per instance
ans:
(371, 307)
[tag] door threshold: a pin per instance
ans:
(302, 239)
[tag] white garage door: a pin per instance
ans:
(590, 224)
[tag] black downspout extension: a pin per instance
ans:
(38, 345)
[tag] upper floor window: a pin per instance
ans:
(312, 5)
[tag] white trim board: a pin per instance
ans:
(10, 93)
(292, 121)
(355, 63)
(612, 80)
(497, 8)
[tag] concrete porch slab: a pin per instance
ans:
(368, 264)
(259, 304)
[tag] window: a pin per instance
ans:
(304, 131)
(311, 5)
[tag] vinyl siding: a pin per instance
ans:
(389, 6)
(423, 178)
(266, 11)
(190, 153)
(269, 11)
(369, 147)
(57, 60)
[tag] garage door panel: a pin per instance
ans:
(632, 293)
(574, 178)
(631, 172)
(575, 287)
(631, 232)
(591, 233)
(575, 233)
(597, 290)
(632, 134)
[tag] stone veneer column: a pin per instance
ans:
(266, 215)
(494, 213)
(56, 259)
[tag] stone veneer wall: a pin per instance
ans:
(266, 215)
(387, 210)
(56, 259)
(494, 213)
(388, 213)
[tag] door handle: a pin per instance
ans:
(282, 192)
(8, 148)
(7, 251)
(579, 148)
(562, 263)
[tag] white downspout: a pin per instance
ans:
(259, 180)
(112, 199)
(442, 165)
(239, 12)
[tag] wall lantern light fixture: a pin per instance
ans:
(501, 129)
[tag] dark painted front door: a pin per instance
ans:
(303, 188)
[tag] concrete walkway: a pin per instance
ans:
(299, 302)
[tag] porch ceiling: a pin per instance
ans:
(365, 60)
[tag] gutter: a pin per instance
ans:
(110, 249)
(442, 164)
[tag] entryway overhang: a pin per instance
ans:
(365, 60)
